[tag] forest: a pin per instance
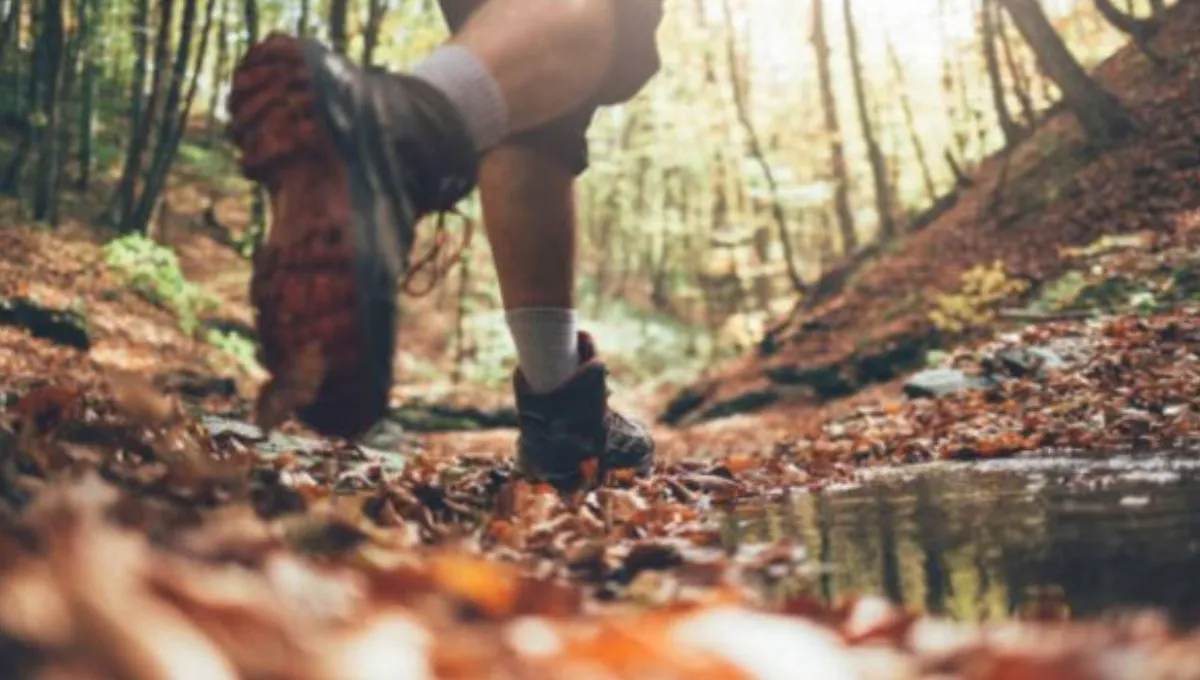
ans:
(906, 293)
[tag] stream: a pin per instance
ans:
(991, 540)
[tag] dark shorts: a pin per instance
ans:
(635, 63)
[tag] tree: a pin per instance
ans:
(988, 38)
(176, 110)
(339, 11)
(1104, 118)
(89, 20)
(837, 151)
(376, 10)
(46, 172)
(10, 27)
(756, 149)
(910, 121)
(1141, 30)
(883, 192)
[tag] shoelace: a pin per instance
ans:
(432, 259)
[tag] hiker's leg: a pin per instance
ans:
(529, 210)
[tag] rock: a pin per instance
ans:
(60, 326)
(1020, 362)
(939, 382)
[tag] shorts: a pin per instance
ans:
(635, 62)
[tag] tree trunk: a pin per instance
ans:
(10, 27)
(10, 183)
(756, 150)
(258, 200)
(218, 72)
(1142, 31)
(46, 173)
(833, 128)
(1020, 81)
(338, 14)
(303, 20)
(140, 126)
(910, 121)
(1104, 118)
(883, 193)
(1012, 132)
(376, 10)
(89, 20)
(176, 111)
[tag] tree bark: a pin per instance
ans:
(10, 27)
(1020, 81)
(303, 20)
(1104, 118)
(140, 131)
(176, 111)
(756, 150)
(89, 20)
(1012, 132)
(1142, 31)
(218, 73)
(10, 183)
(376, 10)
(837, 150)
(338, 14)
(883, 192)
(53, 38)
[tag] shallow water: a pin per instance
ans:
(989, 540)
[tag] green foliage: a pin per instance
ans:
(236, 345)
(152, 271)
(974, 306)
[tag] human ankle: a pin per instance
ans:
(547, 341)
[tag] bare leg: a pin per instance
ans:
(547, 56)
(529, 213)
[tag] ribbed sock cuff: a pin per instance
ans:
(466, 82)
(547, 340)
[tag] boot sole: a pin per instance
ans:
(320, 289)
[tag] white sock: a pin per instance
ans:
(547, 341)
(466, 82)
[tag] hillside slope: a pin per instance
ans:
(1047, 194)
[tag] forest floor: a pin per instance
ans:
(138, 540)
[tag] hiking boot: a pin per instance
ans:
(570, 438)
(352, 159)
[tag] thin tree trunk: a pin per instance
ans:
(140, 132)
(1012, 132)
(258, 200)
(89, 20)
(218, 72)
(883, 193)
(1104, 118)
(339, 11)
(1020, 81)
(910, 121)
(756, 150)
(10, 183)
(10, 28)
(376, 10)
(303, 20)
(1141, 30)
(833, 128)
(176, 111)
(46, 173)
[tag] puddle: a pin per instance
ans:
(985, 541)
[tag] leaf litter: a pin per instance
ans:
(136, 545)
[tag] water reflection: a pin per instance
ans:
(986, 541)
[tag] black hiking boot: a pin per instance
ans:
(570, 438)
(352, 159)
